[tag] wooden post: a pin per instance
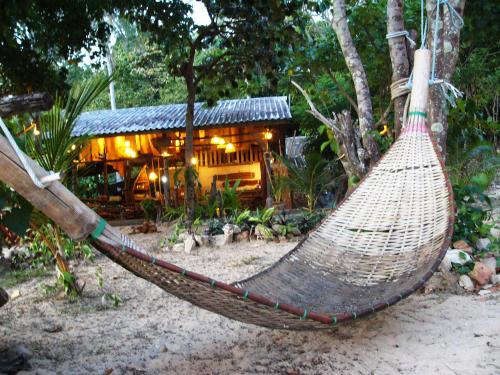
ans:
(106, 178)
(269, 171)
(166, 184)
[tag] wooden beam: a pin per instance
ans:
(15, 104)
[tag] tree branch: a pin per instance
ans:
(343, 91)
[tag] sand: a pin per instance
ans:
(152, 332)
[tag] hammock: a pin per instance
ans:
(380, 245)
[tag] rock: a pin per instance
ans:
(243, 236)
(491, 263)
(14, 361)
(483, 244)
(481, 273)
(466, 282)
(484, 292)
(182, 236)
(454, 256)
(495, 232)
(9, 252)
(296, 231)
(462, 245)
(236, 229)
(189, 244)
(4, 297)
(52, 327)
(178, 247)
(228, 230)
(495, 279)
(219, 240)
(16, 293)
(202, 240)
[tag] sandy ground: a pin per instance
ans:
(152, 332)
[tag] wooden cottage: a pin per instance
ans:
(138, 153)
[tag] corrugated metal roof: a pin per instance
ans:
(172, 116)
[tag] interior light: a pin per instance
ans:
(73, 147)
(36, 132)
(230, 148)
(194, 161)
(153, 176)
(268, 135)
(164, 179)
(127, 144)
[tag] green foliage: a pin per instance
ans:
(309, 220)
(230, 201)
(312, 179)
(173, 213)
(215, 227)
(472, 218)
(55, 149)
(16, 277)
(174, 236)
(463, 269)
(150, 207)
(262, 217)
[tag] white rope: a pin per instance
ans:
(404, 33)
(39, 182)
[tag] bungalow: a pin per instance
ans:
(139, 152)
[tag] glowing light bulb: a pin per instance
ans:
(127, 144)
(73, 147)
(36, 132)
(268, 135)
(164, 179)
(230, 148)
(194, 161)
(153, 176)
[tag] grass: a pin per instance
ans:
(13, 278)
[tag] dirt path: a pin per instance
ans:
(154, 333)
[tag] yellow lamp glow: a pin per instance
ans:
(220, 142)
(73, 147)
(194, 161)
(153, 176)
(268, 135)
(35, 130)
(165, 154)
(230, 148)
(127, 144)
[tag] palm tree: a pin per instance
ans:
(311, 179)
(55, 150)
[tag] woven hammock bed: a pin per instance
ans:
(379, 246)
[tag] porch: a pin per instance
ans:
(138, 153)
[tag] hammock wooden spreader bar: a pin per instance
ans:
(379, 246)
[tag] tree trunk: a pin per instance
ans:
(189, 196)
(447, 47)
(399, 57)
(353, 61)
(36, 102)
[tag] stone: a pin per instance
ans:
(228, 230)
(465, 282)
(9, 252)
(462, 245)
(491, 263)
(52, 327)
(178, 247)
(495, 232)
(454, 256)
(182, 236)
(16, 293)
(243, 236)
(219, 240)
(189, 244)
(483, 244)
(481, 273)
(202, 240)
(484, 292)
(236, 229)
(495, 279)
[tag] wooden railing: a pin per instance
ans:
(215, 158)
